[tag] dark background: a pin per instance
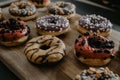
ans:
(82, 9)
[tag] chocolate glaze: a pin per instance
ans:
(95, 23)
(52, 23)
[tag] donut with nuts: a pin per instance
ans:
(23, 10)
(97, 74)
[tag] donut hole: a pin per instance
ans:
(52, 21)
(22, 6)
(96, 42)
(44, 47)
(62, 5)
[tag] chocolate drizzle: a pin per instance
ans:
(42, 41)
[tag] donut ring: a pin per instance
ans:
(1, 15)
(40, 3)
(45, 49)
(94, 50)
(13, 32)
(52, 25)
(94, 24)
(97, 74)
(62, 8)
(23, 10)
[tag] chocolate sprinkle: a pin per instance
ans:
(107, 51)
(86, 34)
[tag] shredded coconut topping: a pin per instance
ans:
(95, 22)
(52, 23)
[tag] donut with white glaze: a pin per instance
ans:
(45, 49)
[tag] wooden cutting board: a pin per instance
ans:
(15, 60)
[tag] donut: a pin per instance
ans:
(23, 10)
(1, 15)
(119, 47)
(45, 49)
(52, 25)
(94, 24)
(94, 49)
(13, 32)
(97, 74)
(40, 3)
(65, 9)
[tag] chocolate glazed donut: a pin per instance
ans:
(52, 25)
(45, 49)
(13, 32)
(23, 10)
(94, 24)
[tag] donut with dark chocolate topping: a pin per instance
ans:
(52, 25)
(94, 50)
(94, 24)
(13, 32)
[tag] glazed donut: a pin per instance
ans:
(23, 10)
(1, 15)
(13, 32)
(62, 8)
(94, 50)
(97, 74)
(94, 24)
(52, 25)
(45, 49)
(40, 3)
(119, 47)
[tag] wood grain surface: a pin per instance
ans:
(15, 60)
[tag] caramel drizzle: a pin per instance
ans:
(47, 53)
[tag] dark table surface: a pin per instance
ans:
(82, 9)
